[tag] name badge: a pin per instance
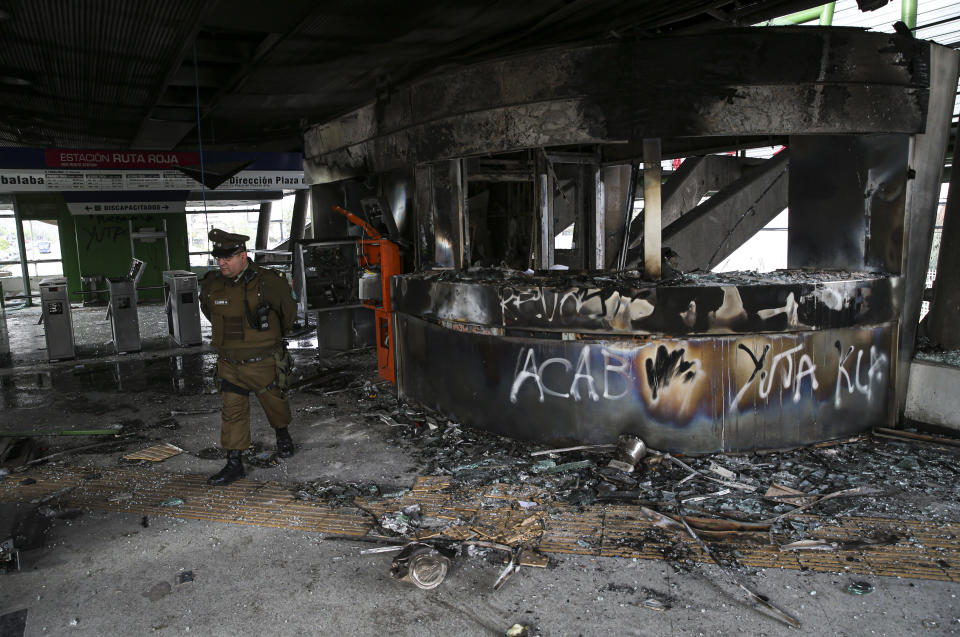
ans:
(221, 302)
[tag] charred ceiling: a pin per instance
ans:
(135, 74)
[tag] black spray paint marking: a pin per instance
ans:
(757, 364)
(667, 366)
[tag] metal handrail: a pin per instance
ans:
(17, 262)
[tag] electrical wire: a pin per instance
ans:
(203, 178)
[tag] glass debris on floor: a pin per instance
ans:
(860, 588)
(720, 500)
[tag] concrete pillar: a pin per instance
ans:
(263, 226)
(928, 152)
(301, 203)
(942, 322)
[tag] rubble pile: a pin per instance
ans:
(712, 507)
(879, 474)
(563, 278)
(905, 478)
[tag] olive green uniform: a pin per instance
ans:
(249, 357)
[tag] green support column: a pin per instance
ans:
(826, 17)
(22, 245)
(908, 13)
(797, 18)
(823, 13)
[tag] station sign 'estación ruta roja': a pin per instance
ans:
(66, 170)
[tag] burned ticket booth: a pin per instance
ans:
(560, 289)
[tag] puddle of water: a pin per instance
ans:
(183, 375)
(25, 391)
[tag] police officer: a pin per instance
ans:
(250, 309)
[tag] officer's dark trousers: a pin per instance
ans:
(235, 432)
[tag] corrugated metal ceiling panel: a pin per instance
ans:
(98, 60)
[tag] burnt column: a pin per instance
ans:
(263, 226)
(298, 223)
(928, 153)
(942, 323)
(651, 208)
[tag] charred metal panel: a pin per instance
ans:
(846, 201)
(446, 300)
(398, 192)
(708, 304)
(618, 189)
(546, 187)
(425, 250)
(445, 198)
(696, 395)
(325, 222)
(752, 82)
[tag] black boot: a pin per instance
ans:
(284, 443)
(230, 473)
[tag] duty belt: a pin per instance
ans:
(255, 359)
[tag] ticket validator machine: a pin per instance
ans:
(183, 308)
(122, 309)
(57, 324)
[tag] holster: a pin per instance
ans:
(227, 386)
(284, 364)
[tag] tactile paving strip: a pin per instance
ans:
(143, 492)
(923, 550)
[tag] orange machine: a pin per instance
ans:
(380, 260)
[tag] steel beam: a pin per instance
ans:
(706, 235)
(691, 182)
(712, 231)
(696, 178)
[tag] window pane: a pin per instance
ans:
(242, 220)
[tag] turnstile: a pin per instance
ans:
(183, 308)
(122, 309)
(57, 325)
